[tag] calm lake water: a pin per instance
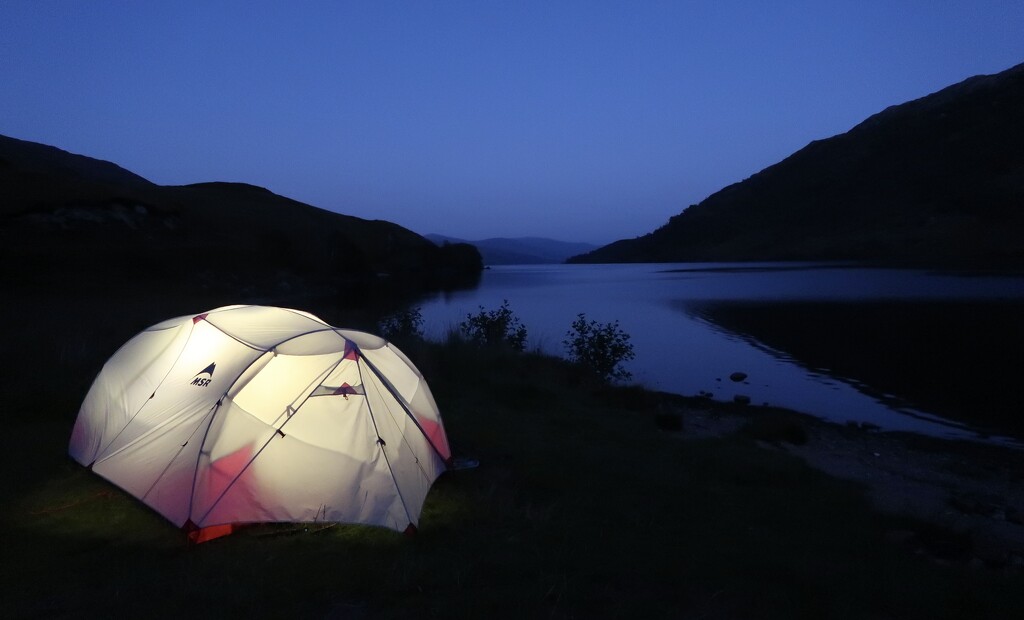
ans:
(921, 351)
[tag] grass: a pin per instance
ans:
(580, 508)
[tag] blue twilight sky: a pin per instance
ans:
(583, 121)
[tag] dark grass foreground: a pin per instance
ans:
(580, 508)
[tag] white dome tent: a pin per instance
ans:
(257, 414)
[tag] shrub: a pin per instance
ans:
(495, 328)
(600, 347)
(404, 326)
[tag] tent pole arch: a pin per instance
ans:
(380, 440)
(278, 430)
(401, 402)
(147, 401)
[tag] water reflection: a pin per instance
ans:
(955, 359)
(927, 352)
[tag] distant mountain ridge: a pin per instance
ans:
(69, 220)
(937, 180)
(520, 250)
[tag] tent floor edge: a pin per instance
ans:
(197, 535)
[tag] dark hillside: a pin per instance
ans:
(70, 220)
(36, 162)
(937, 180)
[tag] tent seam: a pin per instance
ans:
(277, 431)
(159, 383)
(401, 402)
(380, 440)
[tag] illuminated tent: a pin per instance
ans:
(257, 414)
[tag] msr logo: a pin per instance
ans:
(205, 376)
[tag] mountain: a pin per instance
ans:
(520, 250)
(68, 220)
(937, 180)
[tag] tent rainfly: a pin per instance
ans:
(250, 414)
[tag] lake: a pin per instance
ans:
(922, 351)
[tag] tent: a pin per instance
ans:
(258, 414)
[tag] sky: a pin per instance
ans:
(582, 121)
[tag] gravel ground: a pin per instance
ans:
(972, 491)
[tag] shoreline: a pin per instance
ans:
(972, 493)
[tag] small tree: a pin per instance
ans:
(601, 347)
(403, 326)
(495, 328)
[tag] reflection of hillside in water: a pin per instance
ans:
(955, 359)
